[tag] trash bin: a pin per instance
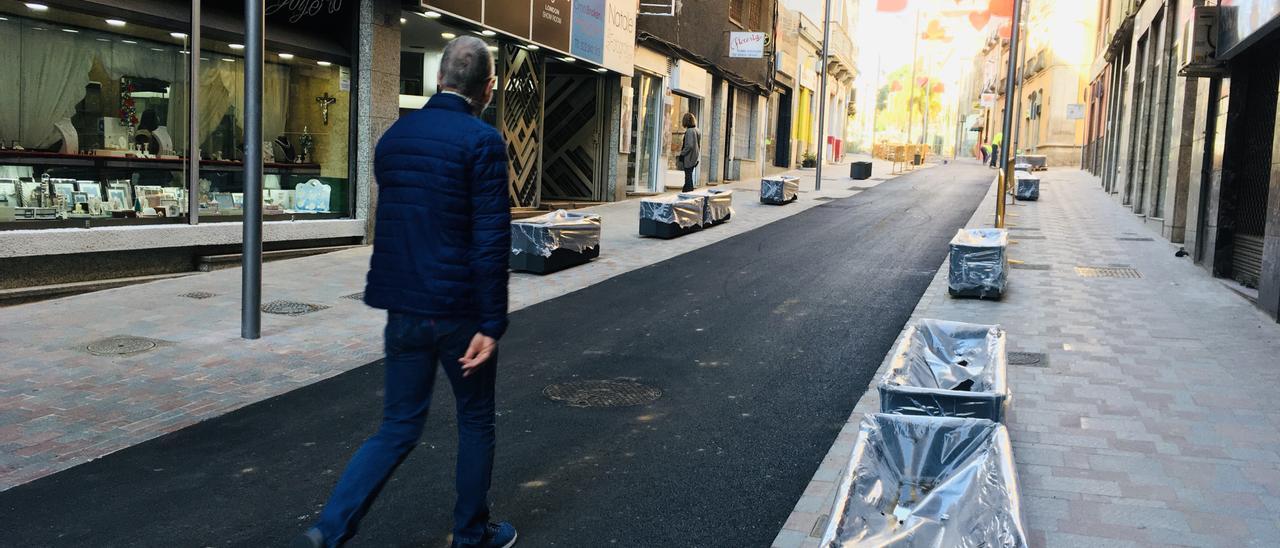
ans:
(1028, 186)
(779, 190)
(717, 204)
(928, 481)
(667, 217)
(1022, 167)
(860, 170)
(555, 241)
(979, 263)
(948, 369)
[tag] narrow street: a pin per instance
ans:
(760, 345)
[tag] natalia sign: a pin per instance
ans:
(746, 45)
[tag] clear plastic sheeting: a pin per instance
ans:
(917, 482)
(1022, 167)
(948, 369)
(676, 210)
(1027, 187)
(779, 190)
(717, 204)
(544, 234)
(979, 263)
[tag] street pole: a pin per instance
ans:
(193, 117)
(822, 104)
(915, 47)
(1006, 167)
(251, 273)
(1022, 86)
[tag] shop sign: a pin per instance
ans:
(470, 9)
(1075, 111)
(510, 16)
(746, 45)
(988, 100)
(551, 22)
(600, 31)
(1243, 22)
(588, 30)
(620, 36)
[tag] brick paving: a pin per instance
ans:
(1154, 423)
(61, 406)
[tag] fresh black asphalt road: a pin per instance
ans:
(761, 345)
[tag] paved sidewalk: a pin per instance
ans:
(61, 406)
(1154, 422)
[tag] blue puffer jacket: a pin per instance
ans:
(443, 231)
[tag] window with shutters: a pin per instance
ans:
(746, 13)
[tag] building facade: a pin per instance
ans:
(1188, 139)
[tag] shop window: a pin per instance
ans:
(745, 122)
(95, 129)
(676, 109)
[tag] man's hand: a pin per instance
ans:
(478, 353)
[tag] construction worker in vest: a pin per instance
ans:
(995, 149)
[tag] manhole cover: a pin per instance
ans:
(618, 393)
(198, 295)
(1028, 359)
(1030, 266)
(1136, 239)
(1107, 272)
(291, 308)
(120, 346)
(355, 296)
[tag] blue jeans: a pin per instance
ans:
(414, 345)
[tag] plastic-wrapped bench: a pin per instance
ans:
(979, 263)
(669, 217)
(779, 190)
(948, 369)
(915, 482)
(555, 241)
(717, 204)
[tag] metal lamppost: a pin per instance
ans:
(822, 101)
(251, 257)
(1006, 167)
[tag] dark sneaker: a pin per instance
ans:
(496, 535)
(311, 538)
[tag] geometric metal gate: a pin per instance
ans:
(520, 120)
(571, 154)
(1254, 167)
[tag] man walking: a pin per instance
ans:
(439, 268)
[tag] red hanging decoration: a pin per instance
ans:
(891, 6)
(895, 86)
(1005, 31)
(979, 19)
(1001, 8)
(937, 88)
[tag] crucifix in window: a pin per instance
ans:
(324, 101)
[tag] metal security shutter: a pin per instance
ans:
(1255, 168)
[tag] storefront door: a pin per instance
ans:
(646, 131)
(571, 156)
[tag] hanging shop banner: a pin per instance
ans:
(746, 45)
(988, 100)
(1243, 22)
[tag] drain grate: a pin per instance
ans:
(198, 295)
(1028, 359)
(120, 346)
(1135, 239)
(291, 308)
(355, 296)
(610, 393)
(1013, 228)
(1029, 237)
(1030, 266)
(823, 199)
(1107, 272)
